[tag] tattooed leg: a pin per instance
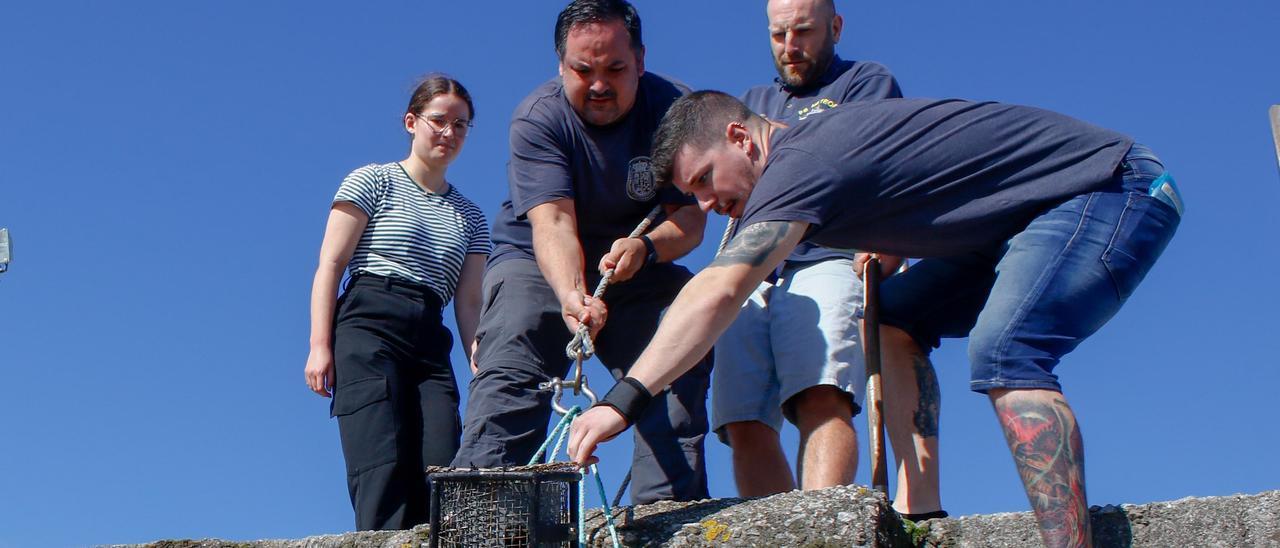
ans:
(925, 416)
(912, 402)
(1049, 453)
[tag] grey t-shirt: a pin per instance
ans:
(929, 177)
(605, 170)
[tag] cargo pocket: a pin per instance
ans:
(1144, 229)
(366, 423)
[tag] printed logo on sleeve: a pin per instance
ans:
(821, 105)
(641, 185)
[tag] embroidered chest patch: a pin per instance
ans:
(641, 185)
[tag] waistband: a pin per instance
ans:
(1140, 161)
(1142, 171)
(395, 285)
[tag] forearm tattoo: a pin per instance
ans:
(1049, 454)
(753, 245)
(926, 414)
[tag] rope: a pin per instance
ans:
(559, 433)
(728, 234)
(582, 347)
(608, 512)
(626, 481)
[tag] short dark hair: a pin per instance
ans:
(698, 120)
(580, 12)
(438, 84)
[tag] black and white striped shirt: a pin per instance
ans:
(414, 235)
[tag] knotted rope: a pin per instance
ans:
(560, 432)
(581, 348)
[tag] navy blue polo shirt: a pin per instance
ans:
(605, 170)
(842, 82)
(929, 177)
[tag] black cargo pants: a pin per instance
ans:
(396, 398)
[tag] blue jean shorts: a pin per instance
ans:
(796, 333)
(1032, 300)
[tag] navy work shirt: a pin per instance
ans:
(605, 170)
(929, 177)
(842, 82)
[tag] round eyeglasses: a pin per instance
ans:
(439, 124)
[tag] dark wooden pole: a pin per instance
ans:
(875, 395)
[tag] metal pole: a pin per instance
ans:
(1275, 129)
(5, 254)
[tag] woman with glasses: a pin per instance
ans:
(411, 242)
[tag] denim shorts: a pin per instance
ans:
(796, 333)
(1027, 303)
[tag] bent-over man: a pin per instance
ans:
(1072, 217)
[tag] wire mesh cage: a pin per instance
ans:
(518, 506)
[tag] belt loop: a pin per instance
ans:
(387, 283)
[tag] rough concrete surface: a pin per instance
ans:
(416, 537)
(854, 516)
(840, 516)
(1237, 520)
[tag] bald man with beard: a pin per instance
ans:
(795, 349)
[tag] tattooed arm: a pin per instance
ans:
(710, 301)
(701, 312)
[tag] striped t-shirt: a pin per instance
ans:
(414, 235)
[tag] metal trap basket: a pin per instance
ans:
(518, 506)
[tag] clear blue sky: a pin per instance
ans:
(166, 170)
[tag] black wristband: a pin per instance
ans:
(651, 252)
(629, 397)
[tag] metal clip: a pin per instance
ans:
(557, 386)
(578, 381)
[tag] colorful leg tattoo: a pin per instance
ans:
(1049, 454)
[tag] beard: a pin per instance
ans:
(813, 68)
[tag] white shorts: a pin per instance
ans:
(796, 333)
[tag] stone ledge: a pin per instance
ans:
(1236, 520)
(855, 516)
(839, 516)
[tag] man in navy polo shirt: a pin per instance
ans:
(795, 348)
(580, 183)
(1072, 217)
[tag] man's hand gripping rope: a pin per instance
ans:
(581, 347)
(590, 430)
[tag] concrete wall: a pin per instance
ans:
(854, 516)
